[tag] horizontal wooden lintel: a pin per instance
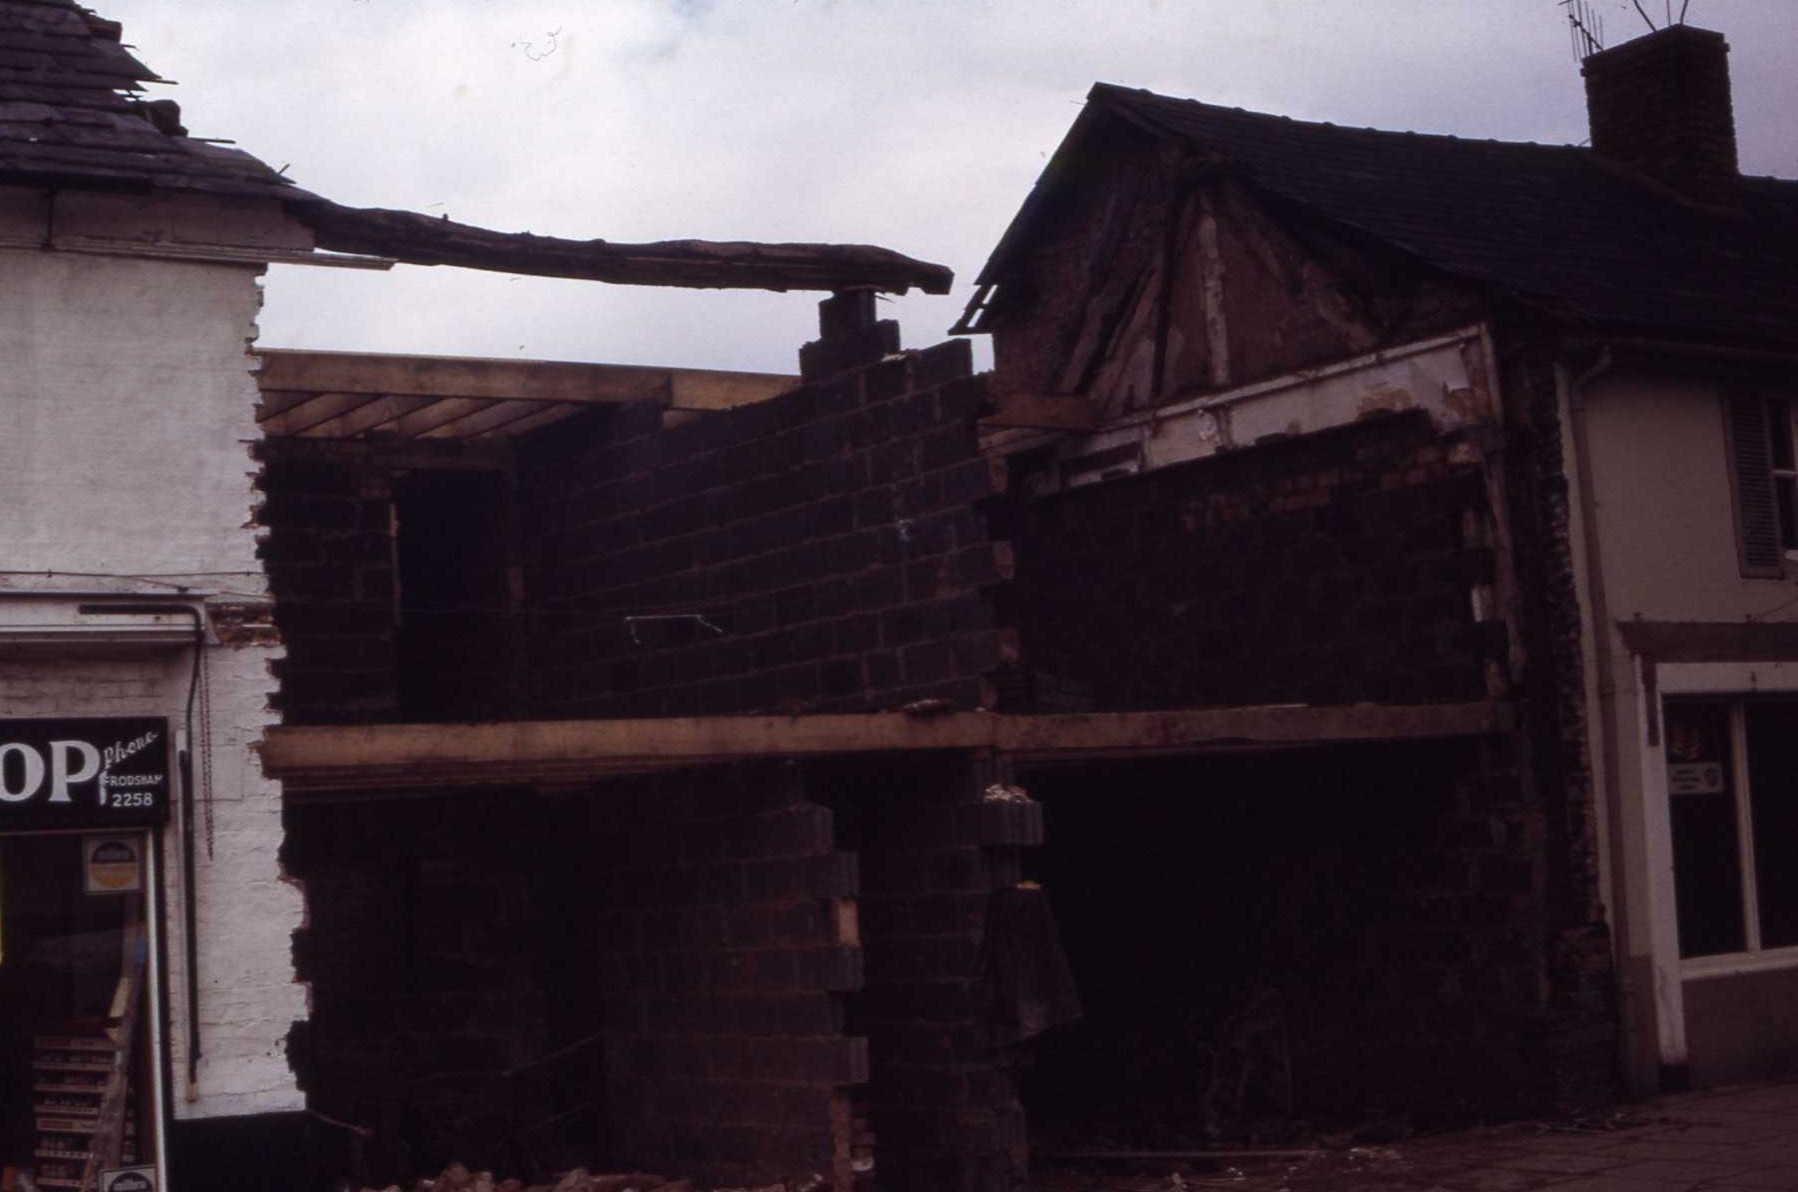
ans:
(564, 751)
(311, 372)
(1711, 641)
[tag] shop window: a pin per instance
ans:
(1732, 785)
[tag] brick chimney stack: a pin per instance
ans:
(1661, 104)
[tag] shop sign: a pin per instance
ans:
(83, 773)
(128, 1179)
(1694, 778)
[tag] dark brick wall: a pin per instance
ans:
(831, 535)
(329, 555)
(1334, 568)
(423, 949)
(942, 1099)
(1661, 103)
(390, 565)
(646, 975)
(724, 900)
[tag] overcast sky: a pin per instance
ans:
(914, 124)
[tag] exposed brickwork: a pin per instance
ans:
(329, 555)
(390, 565)
(1661, 103)
(943, 1102)
(1328, 569)
(421, 945)
(1581, 1035)
(723, 975)
(831, 536)
(243, 622)
(675, 941)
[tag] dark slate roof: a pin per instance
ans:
(1554, 226)
(72, 113)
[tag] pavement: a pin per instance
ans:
(1738, 1139)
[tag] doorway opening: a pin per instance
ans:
(80, 1077)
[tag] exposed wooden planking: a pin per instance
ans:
(540, 416)
(370, 417)
(479, 423)
(425, 419)
(297, 420)
(536, 380)
(274, 401)
(414, 755)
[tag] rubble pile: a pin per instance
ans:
(457, 1178)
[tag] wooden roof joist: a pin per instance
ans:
(392, 756)
(346, 395)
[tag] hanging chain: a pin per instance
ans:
(205, 747)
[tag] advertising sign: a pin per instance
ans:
(112, 864)
(84, 773)
(128, 1179)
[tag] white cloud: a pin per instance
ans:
(917, 124)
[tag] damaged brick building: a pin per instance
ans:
(678, 765)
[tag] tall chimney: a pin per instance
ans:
(1661, 104)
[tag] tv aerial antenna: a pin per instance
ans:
(1585, 26)
(1667, 17)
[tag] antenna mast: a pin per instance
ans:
(1586, 28)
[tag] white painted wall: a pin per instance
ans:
(1660, 472)
(1666, 546)
(127, 406)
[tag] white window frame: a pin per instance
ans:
(1734, 683)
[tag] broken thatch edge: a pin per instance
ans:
(416, 239)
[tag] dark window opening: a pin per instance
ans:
(1772, 739)
(455, 604)
(1707, 862)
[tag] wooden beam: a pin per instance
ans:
(561, 751)
(419, 239)
(1712, 641)
(286, 371)
(1042, 413)
(1100, 734)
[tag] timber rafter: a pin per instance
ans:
(418, 239)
